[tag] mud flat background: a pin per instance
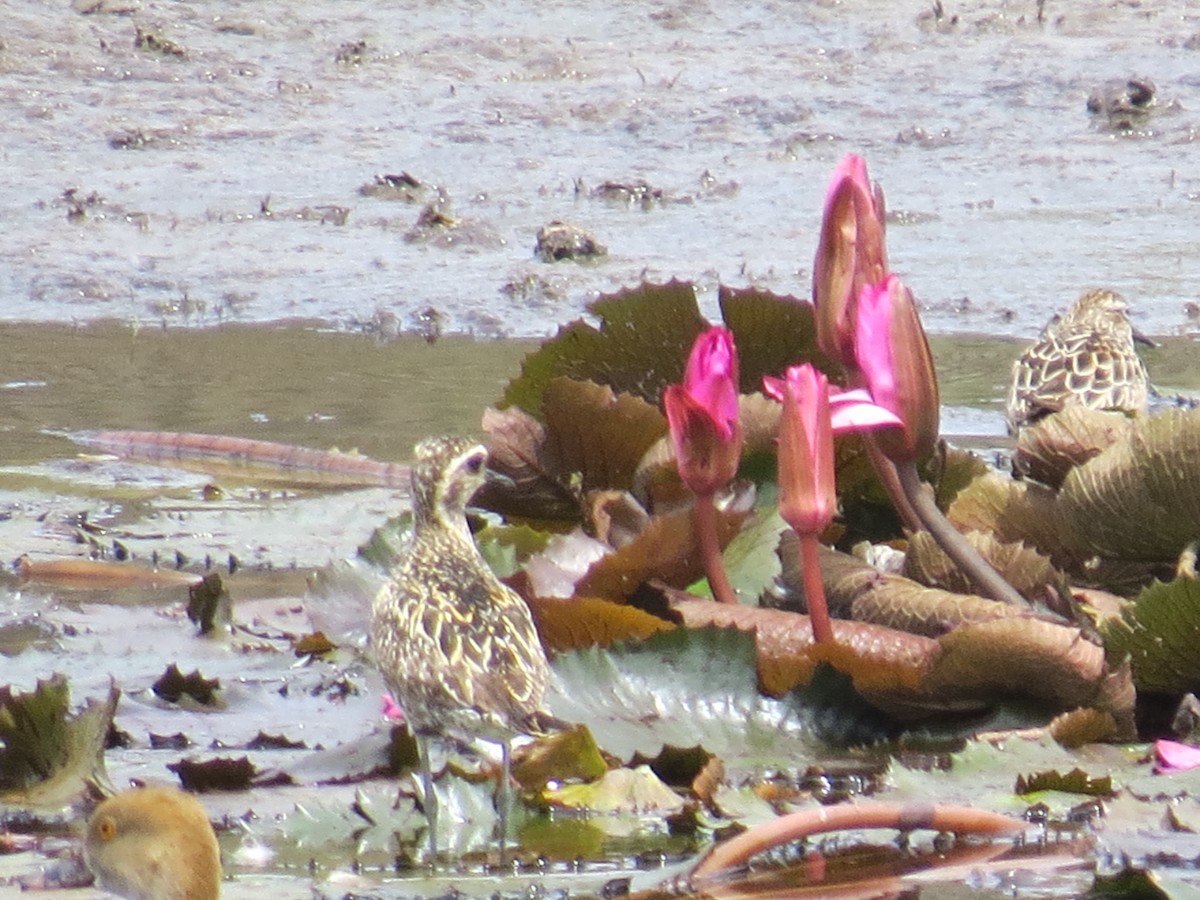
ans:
(203, 162)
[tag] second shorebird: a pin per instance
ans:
(1086, 357)
(457, 648)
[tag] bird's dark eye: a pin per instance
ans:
(475, 463)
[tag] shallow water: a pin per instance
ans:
(208, 186)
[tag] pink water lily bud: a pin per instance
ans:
(807, 498)
(702, 413)
(893, 356)
(850, 254)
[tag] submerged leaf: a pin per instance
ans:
(221, 774)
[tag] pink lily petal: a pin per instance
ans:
(1173, 756)
(391, 709)
(860, 415)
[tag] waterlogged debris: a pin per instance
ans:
(49, 755)
(557, 241)
(315, 644)
(221, 774)
(208, 600)
(173, 687)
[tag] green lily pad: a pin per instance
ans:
(1140, 498)
(640, 347)
(48, 754)
(772, 332)
(1159, 632)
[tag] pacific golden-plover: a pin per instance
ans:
(457, 648)
(1085, 357)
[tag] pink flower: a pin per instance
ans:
(892, 353)
(850, 254)
(811, 416)
(702, 413)
(1172, 756)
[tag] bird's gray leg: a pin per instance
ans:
(429, 797)
(504, 798)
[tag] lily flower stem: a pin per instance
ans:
(977, 569)
(814, 589)
(704, 520)
(886, 469)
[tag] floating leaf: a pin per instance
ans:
(619, 791)
(599, 434)
(536, 486)
(48, 754)
(1076, 781)
(772, 331)
(641, 346)
(1027, 570)
(1049, 449)
(680, 688)
(1028, 658)
(666, 551)
(567, 755)
(1140, 498)
(886, 665)
(591, 622)
(1013, 511)
(1160, 632)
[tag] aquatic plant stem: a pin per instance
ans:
(977, 569)
(886, 469)
(704, 520)
(814, 589)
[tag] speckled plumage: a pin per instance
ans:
(1086, 357)
(457, 648)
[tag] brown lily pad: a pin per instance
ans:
(598, 434)
(1049, 449)
(591, 621)
(1140, 498)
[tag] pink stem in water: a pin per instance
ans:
(814, 589)
(704, 520)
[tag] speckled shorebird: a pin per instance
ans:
(1085, 357)
(457, 648)
(154, 843)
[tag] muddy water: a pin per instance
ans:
(211, 168)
